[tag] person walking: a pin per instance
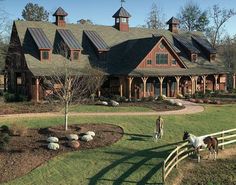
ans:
(159, 127)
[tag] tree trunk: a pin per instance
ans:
(66, 115)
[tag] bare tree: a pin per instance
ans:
(154, 19)
(219, 17)
(70, 85)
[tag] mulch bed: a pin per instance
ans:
(26, 153)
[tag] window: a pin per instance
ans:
(162, 46)
(174, 62)
(19, 80)
(61, 18)
(123, 20)
(76, 55)
(194, 57)
(45, 55)
(149, 62)
(117, 20)
(162, 59)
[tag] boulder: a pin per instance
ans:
(171, 101)
(53, 146)
(114, 103)
(53, 140)
(74, 144)
(91, 133)
(179, 104)
(86, 138)
(102, 103)
(72, 137)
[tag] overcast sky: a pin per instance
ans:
(101, 11)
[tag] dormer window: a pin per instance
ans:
(45, 55)
(75, 55)
(212, 57)
(194, 57)
(161, 59)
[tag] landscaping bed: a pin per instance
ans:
(25, 153)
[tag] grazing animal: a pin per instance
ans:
(198, 142)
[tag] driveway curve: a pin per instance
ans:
(190, 108)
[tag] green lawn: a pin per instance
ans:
(99, 108)
(135, 159)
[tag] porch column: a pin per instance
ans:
(215, 85)
(192, 84)
(204, 84)
(161, 78)
(144, 86)
(99, 93)
(37, 89)
(177, 78)
(234, 81)
(121, 86)
(130, 79)
(196, 78)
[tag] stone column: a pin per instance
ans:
(161, 78)
(130, 79)
(215, 85)
(234, 81)
(37, 89)
(177, 78)
(144, 79)
(204, 84)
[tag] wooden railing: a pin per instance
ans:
(184, 150)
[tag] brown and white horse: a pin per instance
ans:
(198, 142)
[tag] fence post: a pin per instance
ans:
(163, 172)
(177, 157)
(223, 140)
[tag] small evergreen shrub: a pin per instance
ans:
(4, 129)
(4, 140)
(11, 97)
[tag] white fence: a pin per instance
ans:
(183, 150)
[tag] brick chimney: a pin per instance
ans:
(60, 15)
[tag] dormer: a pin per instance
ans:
(60, 15)
(99, 45)
(191, 51)
(70, 43)
(122, 20)
(205, 46)
(42, 42)
(173, 24)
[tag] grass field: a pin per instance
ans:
(135, 159)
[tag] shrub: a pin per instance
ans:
(102, 98)
(18, 130)
(4, 129)
(4, 140)
(119, 98)
(10, 97)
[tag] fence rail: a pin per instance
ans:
(184, 150)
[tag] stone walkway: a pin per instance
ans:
(190, 108)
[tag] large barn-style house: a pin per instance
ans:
(139, 62)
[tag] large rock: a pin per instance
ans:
(179, 104)
(74, 144)
(53, 140)
(102, 103)
(53, 146)
(171, 101)
(91, 133)
(86, 138)
(114, 103)
(72, 137)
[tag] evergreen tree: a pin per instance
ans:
(34, 12)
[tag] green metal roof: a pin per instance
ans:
(127, 49)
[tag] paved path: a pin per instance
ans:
(190, 108)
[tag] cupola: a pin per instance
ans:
(122, 20)
(60, 15)
(173, 24)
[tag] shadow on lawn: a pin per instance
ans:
(145, 155)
